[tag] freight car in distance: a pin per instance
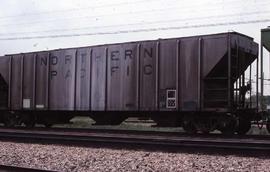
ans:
(195, 82)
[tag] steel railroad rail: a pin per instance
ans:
(136, 138)
(8, 168)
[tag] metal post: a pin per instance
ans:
(34, 81)
(199, 72)
(229, 71)
(177, 75)
(261, 75)
(48, 55)
(22, 79)
(9, 81)
(75, 81)
(157, 74)
(138, 61)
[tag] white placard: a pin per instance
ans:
(26, 103)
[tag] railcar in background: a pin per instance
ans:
(265, 45)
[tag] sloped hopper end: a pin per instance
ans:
(266, 38)
(3, 93)
(244, 51)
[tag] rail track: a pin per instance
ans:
(136, 138)
(7, 168)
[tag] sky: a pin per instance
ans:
(34, 25)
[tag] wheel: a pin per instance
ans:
(244, 126)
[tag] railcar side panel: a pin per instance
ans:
(62, 80)
(16, 82)
(4, 81)
(42, 78)
(115, 69)
(98, 86)
(148, 77)
(28, 81)
(189, 74)
(167, 74)
(83, 79)
(4, 68)
(130, 77)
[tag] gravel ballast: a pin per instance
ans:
(72, 158)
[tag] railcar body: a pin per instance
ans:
(176, 82)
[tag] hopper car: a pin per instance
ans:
(199, 83)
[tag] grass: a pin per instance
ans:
(86, 122)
